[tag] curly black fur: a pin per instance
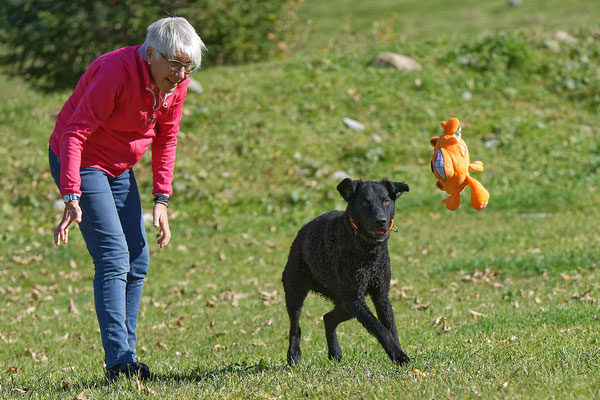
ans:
(344, 256)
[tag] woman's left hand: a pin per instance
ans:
(161, 221)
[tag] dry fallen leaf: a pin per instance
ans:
(421, 306)
(80, 396)
(162, 325)
(441, 321)
(585, 296)
(219, 347)
(567, 277)
(160, 346)
(487, 276)
(37, 357)
(477, 314)
(230, 295)
(211, 304)
(269, 298)
(72, 308)
(417, 372)
(509, 340)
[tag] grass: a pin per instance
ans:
(517, 284)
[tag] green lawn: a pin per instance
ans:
(517, 283)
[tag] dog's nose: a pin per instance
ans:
(381, 221)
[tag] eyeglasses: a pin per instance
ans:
(176, 65)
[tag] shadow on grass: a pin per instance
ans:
(198, 374)
(201, 375)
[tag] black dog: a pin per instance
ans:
(344, 256)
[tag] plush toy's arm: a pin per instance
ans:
(476, 166)
(433, 141)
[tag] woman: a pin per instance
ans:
(125, 102)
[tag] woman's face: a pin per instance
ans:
(161, 73)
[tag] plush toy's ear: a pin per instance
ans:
(395, 189)
(347, 187)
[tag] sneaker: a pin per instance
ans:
(128, 370)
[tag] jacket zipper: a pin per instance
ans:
(157, 103)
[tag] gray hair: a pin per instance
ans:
(171, 36)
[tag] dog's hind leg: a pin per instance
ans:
(332, 319)
(296, 289)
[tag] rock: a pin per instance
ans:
(552, 45)
(514, 3)
(491, 143)
(563, 36)
(352, 124)
(402, 63)
(195, 86)
(339, 176)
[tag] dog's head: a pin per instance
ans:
(372, 206)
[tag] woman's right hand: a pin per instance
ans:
(72, 213)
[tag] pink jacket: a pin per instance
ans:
(113, 117)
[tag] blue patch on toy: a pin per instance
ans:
(439, 164)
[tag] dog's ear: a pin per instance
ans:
(395, 189)
(347, 187)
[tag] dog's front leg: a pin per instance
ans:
(385, 313)
(360, 309)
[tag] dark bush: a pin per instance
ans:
(51, 42)
(237, 31)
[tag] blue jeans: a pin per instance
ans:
(113, 229)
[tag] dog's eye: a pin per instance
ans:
(386, 202)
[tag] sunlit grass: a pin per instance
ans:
(517, 284)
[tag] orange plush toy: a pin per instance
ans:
(450, 165)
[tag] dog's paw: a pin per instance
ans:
(335, 355)
(400, 358)
(294, 358)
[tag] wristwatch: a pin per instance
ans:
(69, 197)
